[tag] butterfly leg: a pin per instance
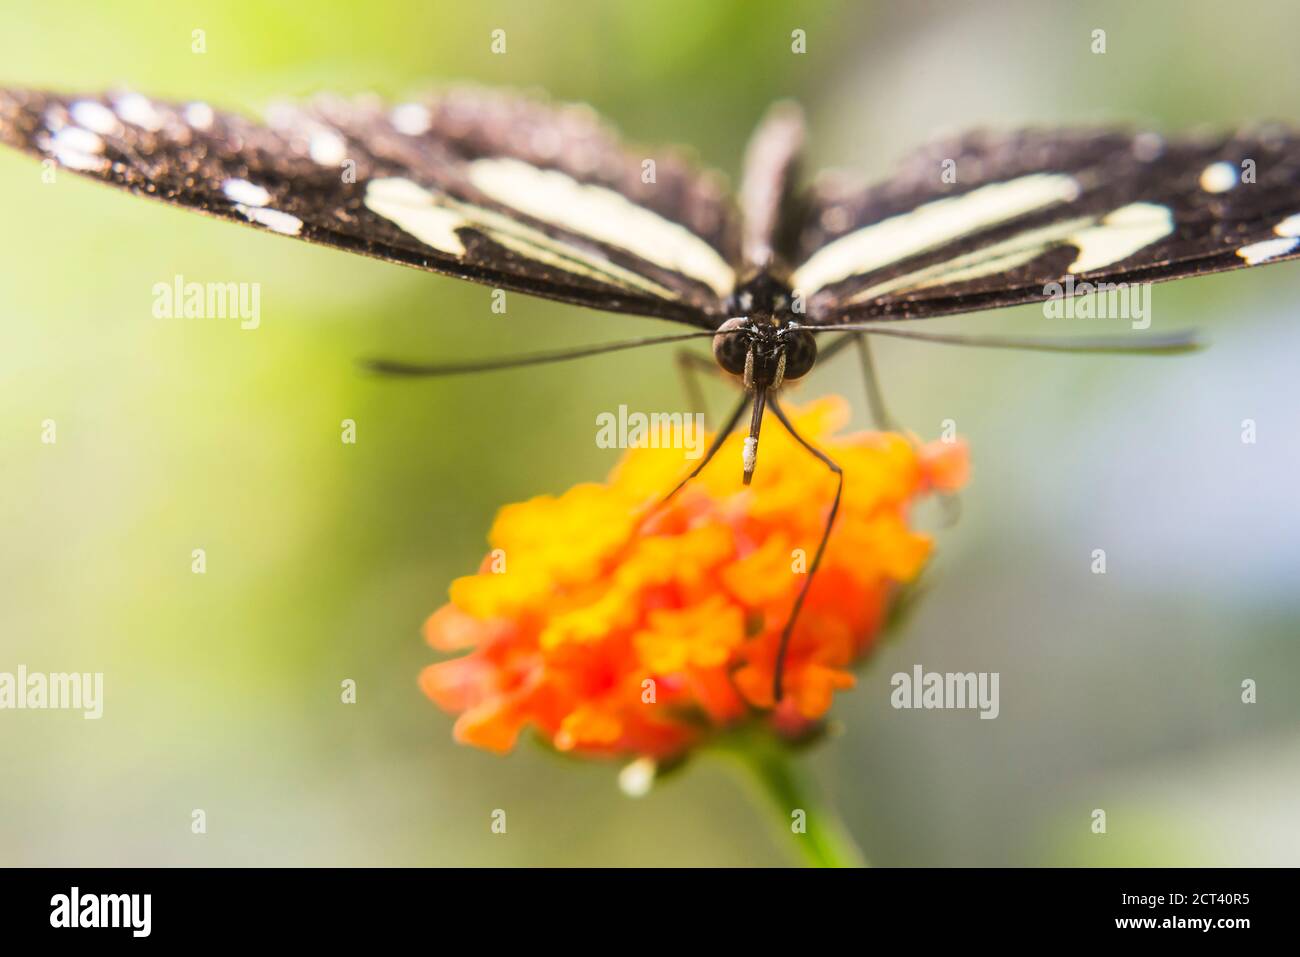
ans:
(880, 416)
(718, 439)
(838, 472)
(875, 397)
(949, 502)
(691, 366)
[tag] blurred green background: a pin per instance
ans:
(222, 690)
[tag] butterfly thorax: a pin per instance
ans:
(764, 343)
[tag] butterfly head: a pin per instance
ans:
(764, 351)
(765, 344)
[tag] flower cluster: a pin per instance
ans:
(613, 627)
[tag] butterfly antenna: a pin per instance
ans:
(784, 646)
(1169, 344)
(393, 367)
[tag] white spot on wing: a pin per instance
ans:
(251, 199)
(199, 116)
(138, 111)
(1148, 146)
(1119, 235)
(1218, 177)
(411, 119)
(1289, 226)
(243, 192)
(1256, 253)
(327, 147)
(78, 148)
(412, 208)
(930, 225)
(272, 219)
(74, 137)
(604, 215)
(55, 118)
(96, 117)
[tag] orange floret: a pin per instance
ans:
(612, 628)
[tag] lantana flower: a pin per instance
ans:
(612, 624)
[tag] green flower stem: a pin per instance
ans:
(772, 775)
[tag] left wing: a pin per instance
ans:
(493, 187)
(1034, 207)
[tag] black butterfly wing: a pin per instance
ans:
(495, 188)
(772, 161)
(1031, 208)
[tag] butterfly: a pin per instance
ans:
(544, 199)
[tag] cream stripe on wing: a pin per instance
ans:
(412, 207)
(604, 215)
(433, 219)
(1098, 242)
(986, 261)
(1262, 252)
(930, 225)
(558, 253)
(1120, 234)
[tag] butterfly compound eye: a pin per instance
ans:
(800, 354)
(731, 346)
